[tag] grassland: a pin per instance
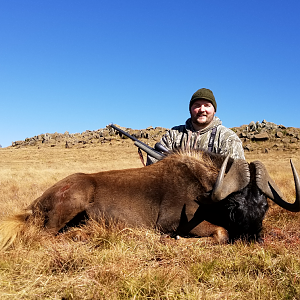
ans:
(124, 263)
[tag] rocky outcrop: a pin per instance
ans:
(267, 136)
(260, 137)
(88, 137)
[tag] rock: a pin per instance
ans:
(250, 135)
(247, 147)
(17, 143)
(285, 140)
(281, 127)
(294, 140)
(145, 135)
(252, 126)
(261, 136)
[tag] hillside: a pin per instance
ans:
(258, 137)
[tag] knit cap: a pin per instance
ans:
(204, 94)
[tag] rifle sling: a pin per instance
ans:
(212, 139)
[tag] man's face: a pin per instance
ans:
(202, 113)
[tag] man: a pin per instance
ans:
(203, 130)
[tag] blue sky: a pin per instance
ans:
(69, 65)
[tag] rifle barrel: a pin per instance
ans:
(123, 132)
(152, 152)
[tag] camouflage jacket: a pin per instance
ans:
(184, 137)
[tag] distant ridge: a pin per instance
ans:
(256, 136)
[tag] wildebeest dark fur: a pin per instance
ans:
(241, 214)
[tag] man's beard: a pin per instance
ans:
(202, 123)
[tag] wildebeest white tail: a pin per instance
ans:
(11, 228)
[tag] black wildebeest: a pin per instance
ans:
(174, 195)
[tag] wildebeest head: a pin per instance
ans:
(243, 194)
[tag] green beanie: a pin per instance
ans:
(204, 94)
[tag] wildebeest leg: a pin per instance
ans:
(61, 214)
(206, 229)
(197, 226)
(64, 201)
(185, 225)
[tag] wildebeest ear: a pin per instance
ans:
(266, 184)
(237, 178)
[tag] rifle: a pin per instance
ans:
(155, 153)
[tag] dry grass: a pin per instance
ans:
(122, 263)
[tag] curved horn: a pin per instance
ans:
(272, 191)
(236, 179)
